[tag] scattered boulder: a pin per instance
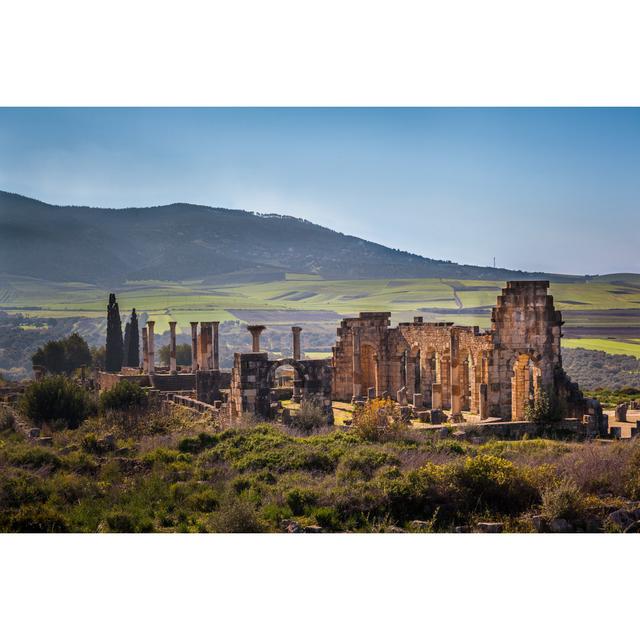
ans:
(291, 526)
(490, 527)
(623, 518)
(560, 525)
(313, 528)
(539, 524)
(621, 412)
(34, 433)
(463, 529)
(424, 416)
(437, 416)
(420, 525)
(394, 529)
(45, 441)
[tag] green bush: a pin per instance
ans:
(546, 408)
(237, 515)
(300, 500)
(495, 484)
(7, 420)
(56, 400)
(327, 518)
(563, 500)
(40, 519)
(123, 396)
(308, 418)
(197, 444)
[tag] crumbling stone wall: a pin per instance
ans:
(490, 373)
(253, 378)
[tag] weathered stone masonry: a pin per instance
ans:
(492, 373)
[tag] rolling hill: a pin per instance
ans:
(178, 242)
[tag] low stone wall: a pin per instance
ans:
(108, 380)
(569, 429)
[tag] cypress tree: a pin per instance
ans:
(133, 351)
(114, 349)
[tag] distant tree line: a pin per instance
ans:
(600, 370)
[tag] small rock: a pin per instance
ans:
(45, 441)
(463, 529)
(622, 518)
(539, 524)
(291, 526)
(313, 528)
(490, 527)
(560, 525)
(34, 433)
(420, 525)
(393, 529)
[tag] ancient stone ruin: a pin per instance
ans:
(427, 367)
(494, 373)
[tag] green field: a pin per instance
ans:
(586, 303)
(614, 347)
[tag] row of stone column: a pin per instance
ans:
(205, 345)
(256, 329)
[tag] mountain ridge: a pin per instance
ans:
(181, 241)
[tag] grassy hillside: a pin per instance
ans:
(178, 242)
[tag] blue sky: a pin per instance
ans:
(539, 189)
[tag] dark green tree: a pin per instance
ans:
(132, 352)
(63, 356)
(113, 358)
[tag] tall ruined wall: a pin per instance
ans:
(526, 332)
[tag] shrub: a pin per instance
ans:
(364, 462)
(34, 457)
(123, 396)
(308, 418)
(495, 484)
(56, 400)
(327, 518)
(7, 420)
(546, 408)
(40, 519)
(300, 500)
(563, 500)
(197, 444)
(377, 419)
(237, 515)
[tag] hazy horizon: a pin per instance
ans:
(552, 190)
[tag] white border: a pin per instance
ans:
(329, 52)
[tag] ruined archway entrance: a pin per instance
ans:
(368, 367)
(525, 385)
(284, 375)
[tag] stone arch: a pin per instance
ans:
(368, 367)
(526, 382)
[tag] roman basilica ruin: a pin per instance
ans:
(428, 367)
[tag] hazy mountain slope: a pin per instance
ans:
(183, 241)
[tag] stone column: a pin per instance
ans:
(209, 351)
(296, 342)
(202, 347)
(173, 367)
(355, 367)
(255, 330)
(216, 345)
(145, 350)
(151, 349)
(194, 346)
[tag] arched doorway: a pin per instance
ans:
(368, 367)
(525, 385)
(285, 376)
